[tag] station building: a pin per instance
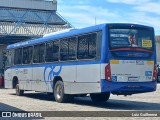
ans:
(22, 20)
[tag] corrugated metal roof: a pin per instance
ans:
(30, 4)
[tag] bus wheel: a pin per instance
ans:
(59, 93)
(100, 97)
(18, 91)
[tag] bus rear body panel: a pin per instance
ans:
(129, 65)
(125, 88)
(128, 77)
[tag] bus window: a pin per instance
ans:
(49, 49)
(36, 54)
(10, 55)
(39, 53)
(64, 50)
(18, 56)
(131, 38)
(87, 46)
(131, 42)
(27, 55)
(55, 50)
(68, 49)
(52, 51)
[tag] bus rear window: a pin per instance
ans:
(124, 38)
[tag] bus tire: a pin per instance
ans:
(18, 91)
(100, 97)
(59, 94)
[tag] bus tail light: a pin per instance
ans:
(155, 73)
(108, 73)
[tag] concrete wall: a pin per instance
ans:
(30, 4)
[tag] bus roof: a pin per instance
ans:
(69, 33)
(58, 32)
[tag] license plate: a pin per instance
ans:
(133, 79)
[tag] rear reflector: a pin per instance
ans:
(108, 73)
(155, 73)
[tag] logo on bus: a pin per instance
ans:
(148, 73)
(50, 72)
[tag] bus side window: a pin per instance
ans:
(27, 55)
(24, 55)
(68, 49)
(72, 48)
(55, 50)
(52, 51)
(49, 54)
(8, 61)
(30, 54)
(92, 45)
(64, 50)
(87, 46)
(41, 53)
(18, 56)
(36, 54)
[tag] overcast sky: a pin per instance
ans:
(82, 13)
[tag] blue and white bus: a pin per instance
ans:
(98, 60)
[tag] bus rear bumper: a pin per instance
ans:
(126, 88)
